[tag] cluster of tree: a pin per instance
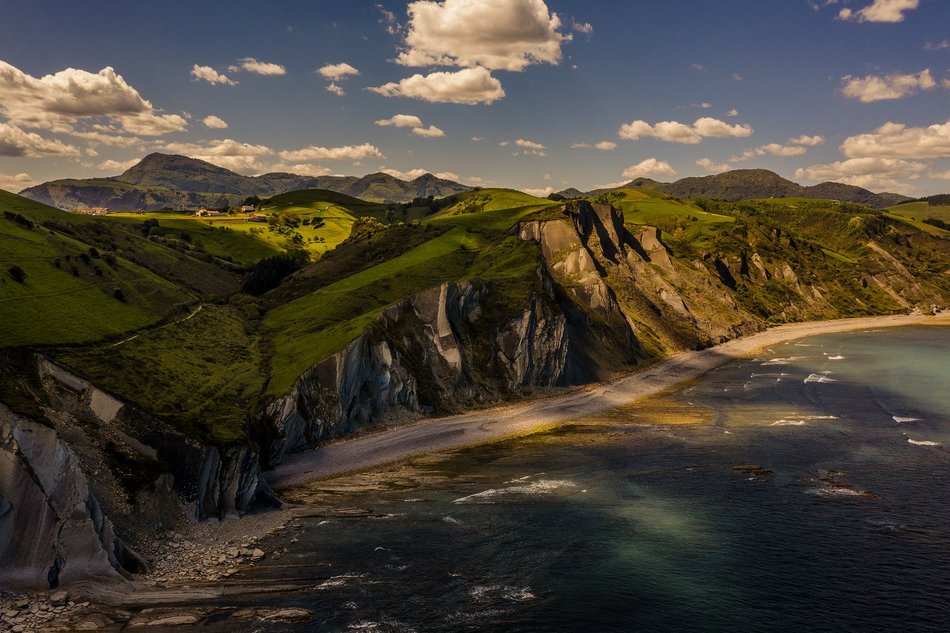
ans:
(937, 222)
(19, 218)
(364, 228)
(269, 272)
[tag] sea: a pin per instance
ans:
(805, 489)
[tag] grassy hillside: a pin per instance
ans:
(69, 290)
(922, 210)
(202, 371)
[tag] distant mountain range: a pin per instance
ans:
(161, 181)
(750, 184)
(167, 181)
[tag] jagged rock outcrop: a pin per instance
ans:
(632, 284)
(84, 475)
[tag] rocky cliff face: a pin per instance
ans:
(435, 352)
(84, 475)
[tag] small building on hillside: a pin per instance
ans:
(257, 217)
(247, 208)
(94, 211)
(205, 212)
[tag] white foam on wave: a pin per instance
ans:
(837, 491)
(505, 592)
(452, 520)
(784, 422)
(923, 442)
(903, 420)
(781, 361)
(335, 582)
(538, 488)
(838, 357)
(819, 378)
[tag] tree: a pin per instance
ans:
(17, 273)
(118, 294)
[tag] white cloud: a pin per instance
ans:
(337, 72)
(529, 144)
(939, 175)
(675, 132)
(17, 142)
(304, 169)
(412, 174)
(880, 11)
(117, 166)
(736, 77)
(705, 105)
(493, 34)
(710, 165)
(59, 101)
(214, 122)
(732, 112)
(896, 140)
(388, 19)
(15, 182)
(937, 46)
(347, 152)
(804, 139)
(582, 27)
(428, 132)
(251, 65)
(336, 89)
(477, 139)
(604, 146)
(209, 74)
(468, 86)
(227, 153)
(698, 68)
(893, 86)
(775, 149)
(401, 120)
(538, 192)
(870, 173)
(649, 168)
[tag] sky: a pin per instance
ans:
(538, 95)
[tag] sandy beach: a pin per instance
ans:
(438, 434)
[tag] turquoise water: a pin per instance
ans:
(616, 524)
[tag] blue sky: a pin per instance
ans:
(531, 94)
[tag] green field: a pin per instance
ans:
(683, 221)
(922, 211)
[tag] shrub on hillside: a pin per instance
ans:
(17, 273)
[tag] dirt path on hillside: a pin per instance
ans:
(438, 434)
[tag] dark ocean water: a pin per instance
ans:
(632, 523)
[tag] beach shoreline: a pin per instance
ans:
(399, 443)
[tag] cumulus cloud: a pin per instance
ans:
(937, 46)
(649, 168)
(732, 112)
(428, 132)
(59, 101)
(896, 140)
(893, 86)
(412, 174)
(712, 166)
(117, 166)
(880, 11)
(209, 74)
(301, 169)
(17, 142)
(493, 34)
(251, 65)
(870, 173)
(214, 122)
(540, 192)
(675, 132)
(939, 175)
(604, 146)
(15, 182)
(346, 152)
(805, 139)
(469, 86)
(401, 120)
(227, 153)
(529, 144)
(527, 147)
(337, 72)
(336, 89)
